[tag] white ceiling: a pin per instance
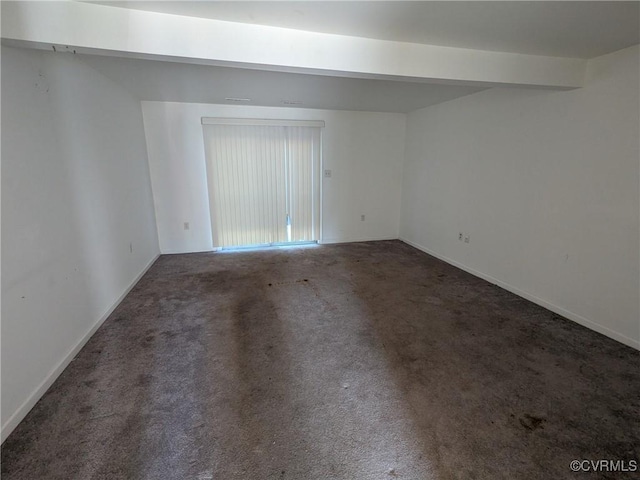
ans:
(553, 28)
(580, 29)
(178, 82)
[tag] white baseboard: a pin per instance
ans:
(333, 241)
(532, 298)
(329, 241)
(40, 390)
(183, 252)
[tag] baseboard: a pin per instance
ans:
(330, 241)
(40, 390)
(334, 241)
(532, 298)
(184, 252)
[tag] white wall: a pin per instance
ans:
(364, 150)
(75, 194)
(546, 184)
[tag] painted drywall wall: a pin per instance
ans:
(547, 186)
(78, 225)
(364, 151)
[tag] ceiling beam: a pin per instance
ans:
(106, 30)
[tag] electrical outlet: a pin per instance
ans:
(362, 218)
(467, 238)
(327, 173)
(186, 225)
(460, 236)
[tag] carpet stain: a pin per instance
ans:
(531, 422)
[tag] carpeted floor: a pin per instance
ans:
(355, 361)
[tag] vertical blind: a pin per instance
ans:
(303, 159)
(263, 183)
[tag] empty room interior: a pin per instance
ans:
(320, 240)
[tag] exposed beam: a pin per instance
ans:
(106, 30)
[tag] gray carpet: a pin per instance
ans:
(356, 361)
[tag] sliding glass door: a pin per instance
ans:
(263, 182)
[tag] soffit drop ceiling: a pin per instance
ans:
(577, 29)
(565, 29)
(177, 82)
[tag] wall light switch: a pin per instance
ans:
(327, 174)
(186, 225)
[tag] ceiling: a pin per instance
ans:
(178, 82)
(578, 29)
(553, 28)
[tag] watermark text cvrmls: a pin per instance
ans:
(604, 465)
